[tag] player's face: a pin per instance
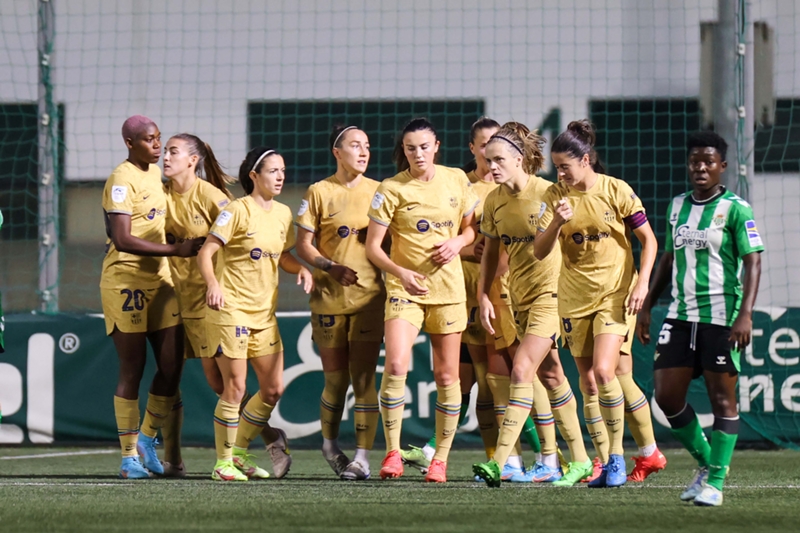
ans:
(571, 170)
(354, 152)
(705, 168)
(502, 162)
(269, 180)
(177, 159)
(146, 146)
(420, 148)
(478, 145)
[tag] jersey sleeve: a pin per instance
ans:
(627, 202)
(308, 213)
(216, 202)
(118, 195)
(291, 235)
(549, 201)
(744, 230)
(470, 199)
(384, 204)
(488, 226)
(227, 224)
(669, 244)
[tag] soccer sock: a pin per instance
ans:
(392, 400)
(637, 415)
(331, 403)
(127, 414)
(448, 408)
(530, 435)
(612, 407)
(565, 411)
(172, 432)
(723, 441)
(686, 430)
(362, 456)
(155, 416)
(226, 423)
(596, 426)
(366, 415)
(484, 410)
(519, 408)
(500, 386)
(543, 417)
(252, 421)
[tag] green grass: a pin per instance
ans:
(81, 493)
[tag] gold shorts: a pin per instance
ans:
(540, 319)
(132, 310)
(335, 331)
(579, 333)
(438, 319)
(240, 342)
(505, 329)
(194, 338)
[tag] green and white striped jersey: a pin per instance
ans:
(708, 240)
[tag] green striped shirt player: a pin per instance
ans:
(712, 256)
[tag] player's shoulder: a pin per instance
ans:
(370, 183)
(452, 173)
(282, 210)
(322, 186)
(123, 173)
(556, 190)
(736, 201)
(612, 183)
(212, 194)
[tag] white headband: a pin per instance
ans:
(265, 154)
(336, 140)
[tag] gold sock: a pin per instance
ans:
(171, 432)
(392, 401)
(596, 426)
(484, 410)
(156, 413)
(226, 422)
(448, 408)
(519, 408)
(637, 412)
(543, 418)
(565, 411)
(331, 403)
(127, 414)
(612, 407)
(500, 387)
(366, 414)
(252, 421)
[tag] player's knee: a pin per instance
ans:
(604, 373)
(722, 404)
(669, 403)
(445, 376)
(271, 394)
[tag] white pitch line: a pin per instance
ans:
(58, 454)
(42, 484)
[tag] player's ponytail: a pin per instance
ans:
(253, 163)
(522, 141)
(399, 153)
(207, 164)
(577, 141)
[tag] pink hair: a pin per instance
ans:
(135, 125)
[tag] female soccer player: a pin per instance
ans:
(591, 215)
(424, 205)
(348, 297)
(510, 216)
(255, 234)
(193, 205)
(138, 297)
(711, 234)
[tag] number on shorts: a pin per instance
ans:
(567, 325)
(326, 321)
(472, 313)
(665, 334)
(136, 296)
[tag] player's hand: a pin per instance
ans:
(741, 331)
(189, 247)
(643, 326)
(487, 313)
(214, 298)
(563, 212)
(305, 279)
(343, 275)
(447, 250)
(636, 298)
(410, 281)
(477, 250)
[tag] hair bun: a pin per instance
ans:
(584, 130)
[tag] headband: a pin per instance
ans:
(336, 140)
(262, 156)
(509, 141)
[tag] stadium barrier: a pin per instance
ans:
(58, 375)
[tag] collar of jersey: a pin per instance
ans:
(722, 190)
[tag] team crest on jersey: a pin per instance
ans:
(718, 220)
(608, 216)
(453, 202)
(198, 220)
(533, 220)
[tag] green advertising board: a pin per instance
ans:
(58, 375)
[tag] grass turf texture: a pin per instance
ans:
(81, 493)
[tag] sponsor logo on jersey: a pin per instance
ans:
(223, 218)
(580, 238)
(685, 236)
(423, 225)
(119, 193)
(508, 239)
(345, 231)
(156, 212)
(673, 218)
(752, 233)
(258, 253)
(303, 208)
(377, 200)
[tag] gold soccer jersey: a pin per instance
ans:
(337, 216)
(189, 216)
(597, 269)
(419, 215)
(514, 218)
(131, 191)
(247, 266)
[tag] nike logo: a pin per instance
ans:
(204, 347)
(412, 207)
(497, 221)
(333, 214)
(611, 323)
(451, 323)
(498, 338)
(274, 343)
(145, 197)
(364, 331)
(175, 314)
(251, 233)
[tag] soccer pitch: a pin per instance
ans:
(81, 493)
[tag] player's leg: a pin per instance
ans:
(484, 406)
(612, 406)
(233, 372)
(363, 360)
(499, 380)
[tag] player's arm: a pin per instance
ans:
(214, 297)
(378, 257)
(489, 262)
(119, 225)
(472, 252)
(643, 232)
(311, 255)
(447, 250)
(658, 283)
(742, 328)
(546, 240)
(291, 265)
